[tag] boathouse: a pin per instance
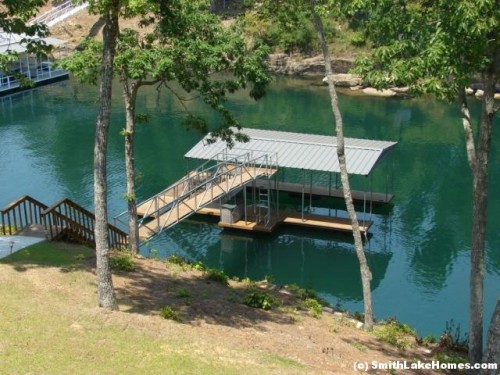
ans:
(242, 184)
(38, 69)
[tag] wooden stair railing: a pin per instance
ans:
(69, 218)
(20, 214)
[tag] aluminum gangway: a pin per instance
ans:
(214, 180)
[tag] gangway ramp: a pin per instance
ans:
(201, 187)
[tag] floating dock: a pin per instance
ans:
(252, 167)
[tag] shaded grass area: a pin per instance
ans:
(50, 325)
(57, 254)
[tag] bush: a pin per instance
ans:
(122, 262)
(166, 312)
(217, 276)
(199, 266)
(452, 338)
(259, 300)
(177, 259)
(395, 333)
(314, 307)
(358, 40)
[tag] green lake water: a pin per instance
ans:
(419, 248)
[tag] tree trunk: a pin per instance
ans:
(105, 292)
(492, 352)
(479, 167)
(130, 95)
(366, 275)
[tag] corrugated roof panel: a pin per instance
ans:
(302, 151)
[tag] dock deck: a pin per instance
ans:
(290, 218)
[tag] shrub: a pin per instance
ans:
(395, 333)
(259, 300)
(166, 312)
(315, 308)
(123, 262)
(358, 40)
(429, 339)
(177, 259)
(217, 276)
(199, 266)
(452, 338)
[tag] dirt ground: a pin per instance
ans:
(328, 345)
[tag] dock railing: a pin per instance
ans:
(225, 170)
(20, 214)
(72, 219)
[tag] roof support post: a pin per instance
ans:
(311, 191)
(303, 190)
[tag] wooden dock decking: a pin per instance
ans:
(357, 196)
(182, 208)
(291, 218)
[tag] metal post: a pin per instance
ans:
(245, 203)
(303, 191)
(311, 192)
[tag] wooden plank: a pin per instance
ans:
(327, 222)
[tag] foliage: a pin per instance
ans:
(432, 47)
(167, 312)
(4, 228)
(14, 17)
(199, 266)
(395, 333)
(259, 300)
(123, 261)
(216, 275)
(429, 340)
(177, 259)
(453, 339)
(306, 293)
(315, 308)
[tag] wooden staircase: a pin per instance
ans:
(63, 221)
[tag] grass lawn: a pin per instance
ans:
(50, 325)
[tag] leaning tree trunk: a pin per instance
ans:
(130, 95)
(492, 352)
(478, 160)
(366, 275)
(105, 292)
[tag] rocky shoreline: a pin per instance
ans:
(299, 66)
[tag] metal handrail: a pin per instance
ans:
(198, 183)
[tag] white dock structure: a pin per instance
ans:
(222, 175)
(210, 188)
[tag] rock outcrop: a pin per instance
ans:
(297, 65)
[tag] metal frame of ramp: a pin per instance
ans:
(225, 173)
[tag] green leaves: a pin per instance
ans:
(85, 63)
(433, 47)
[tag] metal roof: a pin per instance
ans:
(17, 42)
(301, 151)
